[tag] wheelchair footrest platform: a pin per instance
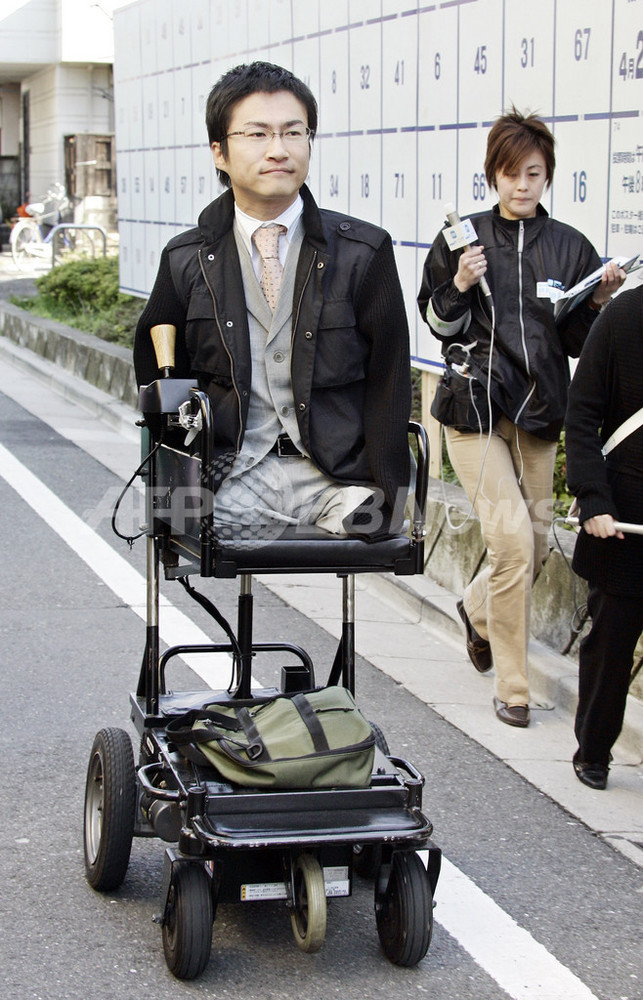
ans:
(349, 816)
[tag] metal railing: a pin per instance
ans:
(62, 226)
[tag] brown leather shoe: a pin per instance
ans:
(513, 715)
(479, 649)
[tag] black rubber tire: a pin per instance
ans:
(110, 803)
(187, 929)
(405, 920)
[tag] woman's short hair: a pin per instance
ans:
(240, 82)
(511, 138)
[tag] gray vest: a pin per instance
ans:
(272, 407)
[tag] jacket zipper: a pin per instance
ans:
(231, 359)
(295, 322)
(521, 243)
(296, 317)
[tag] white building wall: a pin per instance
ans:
(10, 98)
(29, 31)
(407, 94)
(64, 100)
(49, 31)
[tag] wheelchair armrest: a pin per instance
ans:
(421, 478)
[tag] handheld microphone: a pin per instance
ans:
(454, 219)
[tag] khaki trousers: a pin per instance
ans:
(514, 503)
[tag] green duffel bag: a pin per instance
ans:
(315, 740)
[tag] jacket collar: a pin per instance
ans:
(217, 218)
(508, 229)
(535, 221)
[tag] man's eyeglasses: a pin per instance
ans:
(293, 136)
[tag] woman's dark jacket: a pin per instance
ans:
(350, 366)
(530, 370)
(607, 388)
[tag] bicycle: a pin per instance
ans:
(34, 238)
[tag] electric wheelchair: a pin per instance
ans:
(231, 843)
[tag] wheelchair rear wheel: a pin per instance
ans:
(110, 802)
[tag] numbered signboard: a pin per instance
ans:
(406, 96)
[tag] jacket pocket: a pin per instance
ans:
(342, 352)
(202, 337)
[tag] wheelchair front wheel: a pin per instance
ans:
(405, 916)
(308, 917)
(187, 928)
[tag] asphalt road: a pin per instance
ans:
(72, 650)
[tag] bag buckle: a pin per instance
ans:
(254, 750)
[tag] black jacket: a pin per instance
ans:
(350, 349)
(530, 370)
(607, 388)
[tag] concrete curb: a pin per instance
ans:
(96, 362)
(121, 416)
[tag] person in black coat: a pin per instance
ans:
(606, 390)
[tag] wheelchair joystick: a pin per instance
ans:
(164, 340)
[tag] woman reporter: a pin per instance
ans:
(512, 359)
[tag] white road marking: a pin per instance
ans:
(505, 950)
(521, 966)
(126, 582)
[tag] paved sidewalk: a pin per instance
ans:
(406, 627)
(13, 281)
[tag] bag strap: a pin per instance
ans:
(626, 428)
(312, 723)
(256, 749)
(179, 729)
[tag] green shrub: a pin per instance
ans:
(84, 294)
(562, 496)
(82, 284)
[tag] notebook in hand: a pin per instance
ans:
(574, 296)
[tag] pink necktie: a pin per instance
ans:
(266, 240)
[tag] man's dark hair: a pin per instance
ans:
(251, 78)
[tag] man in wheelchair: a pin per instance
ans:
(291, 319)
